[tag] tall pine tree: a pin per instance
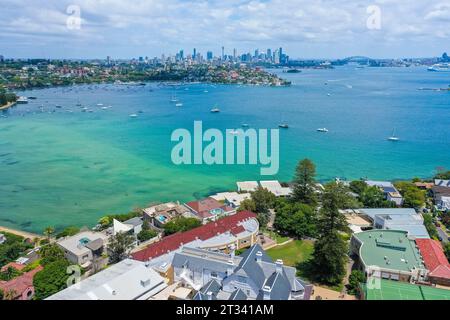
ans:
(330, 250)
(304, 183)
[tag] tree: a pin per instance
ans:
(354, 280)
(263, 200)
(329, 257)
(413, 197)
(429, 225)
(50, 280)
(442, 174)
(358, 186)
(247, 205)
(51, 253)
(146, 233)
(295, 219)
(304, 183)
(67, 232)
(373, 197)
(9, 274)
(48, 232)
(119, 246)
(181, 224)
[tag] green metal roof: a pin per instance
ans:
(394, 290)
(389, 249)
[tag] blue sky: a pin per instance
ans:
(304, 28)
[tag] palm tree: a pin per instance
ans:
(48, 232)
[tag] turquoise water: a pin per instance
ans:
(63, 168)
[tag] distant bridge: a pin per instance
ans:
(358, 59)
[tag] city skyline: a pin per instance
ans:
(122, 29)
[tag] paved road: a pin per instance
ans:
(442, 234)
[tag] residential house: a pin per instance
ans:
(276, 188)
(21, 287)
(126, 280)
(388, 254)
(232, 199)
(237, 231)
(435, 261)
(209, 209)
(405, 219)
(253, 275)
(441, 197)
(442, 183)
(389, 191)
(83, 247)
(159, 215)
(247, 186)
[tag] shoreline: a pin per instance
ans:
(8, 105)
(21, 233)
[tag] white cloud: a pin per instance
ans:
(296, 24)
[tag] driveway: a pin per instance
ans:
(442, 234)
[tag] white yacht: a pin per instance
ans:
(179, 104)
(283, 125)
(440, 67)
(393, 137)
(322, 130)
(215, 110)
(134, 115)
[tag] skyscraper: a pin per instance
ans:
(194, 54)
(223, 53)
(269, 54)
(181, 54)
(209, 55)
(234, 54)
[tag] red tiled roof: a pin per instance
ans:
(434, 258)
(204, 205)
(207, 231)
(20, 284)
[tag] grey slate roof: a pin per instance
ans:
(212, 287)
(238, 295)
(136, 221)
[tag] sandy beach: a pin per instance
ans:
(21, 233)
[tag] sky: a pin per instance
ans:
(304, 28)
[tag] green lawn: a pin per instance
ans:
(276, 236)
(292, 253)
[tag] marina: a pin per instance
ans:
(114, 160)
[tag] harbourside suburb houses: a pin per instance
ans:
(126, 280)
(395, 255)
(209, 209)
(159, 215)
(388, 254)
(406, 219)
(435, 261)
(273, 186)
(441, 194)
(252, 275)
(239, 230)
(21, 287)
(83, 247)
(389, 191)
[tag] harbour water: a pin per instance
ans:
(62, 166)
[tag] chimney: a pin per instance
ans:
(230, 268)
(266, 292)
(258, 256)
(209, 294)
(279, 266)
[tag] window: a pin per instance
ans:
(214, 275)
